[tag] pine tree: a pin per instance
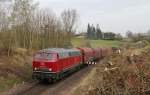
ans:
(93, 33)
(98, 32)
(88, 31)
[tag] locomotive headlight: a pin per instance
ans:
(50, 69)
(35, 68)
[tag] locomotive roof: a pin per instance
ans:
(55, 50)
(63, 53)
(58, 50)
(72, 50)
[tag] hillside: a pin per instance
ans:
(17, 68)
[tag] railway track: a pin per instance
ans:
(62, 87)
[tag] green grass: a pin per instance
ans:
(76, 42)
(96, 43)
(105, 43)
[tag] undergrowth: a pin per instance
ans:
(15, 69)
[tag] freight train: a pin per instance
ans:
(55, 63)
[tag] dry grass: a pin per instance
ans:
(15, 68)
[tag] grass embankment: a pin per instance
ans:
(96, 43)
(129, 75)
(14, 69)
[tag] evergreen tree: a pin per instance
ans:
(98, 32)
(94, 33)
(88, 31)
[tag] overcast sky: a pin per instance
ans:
(112, 15)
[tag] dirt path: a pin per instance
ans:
(63, 87)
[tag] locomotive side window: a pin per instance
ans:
(47, 56)
(74, 53)
(63, 55)
(50, 56)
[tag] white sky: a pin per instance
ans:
(112, 15)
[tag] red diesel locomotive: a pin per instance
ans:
(55, 63)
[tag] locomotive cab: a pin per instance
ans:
(54, 63)
(43, 60)
(44, 65)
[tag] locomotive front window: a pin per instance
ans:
(45, 56)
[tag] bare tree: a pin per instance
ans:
(26, 26)
(69, 19)
(47, 27)
(21, 16)
(5, 35)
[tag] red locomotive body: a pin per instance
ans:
(52, 63)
